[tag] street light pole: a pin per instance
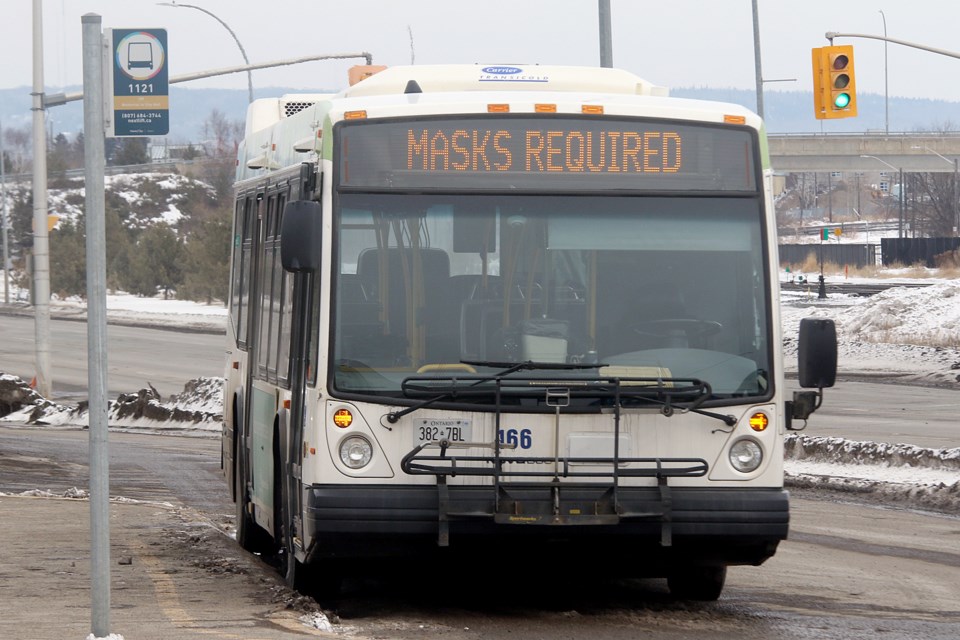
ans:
(886, 86)
(956, 202)
(3, 207)
(606, 37)
(232, 34)
(756, 59)
(900, 195)
(41, 240)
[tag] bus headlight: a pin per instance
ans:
(356, 452)
(746, 455)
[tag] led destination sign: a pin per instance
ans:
(539, 150)
(554, 153)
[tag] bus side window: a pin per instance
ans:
(266, 368)
(243, 267)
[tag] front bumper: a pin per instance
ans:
(695, 525)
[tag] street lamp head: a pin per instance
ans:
(939, 155)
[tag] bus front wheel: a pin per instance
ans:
(697, 583)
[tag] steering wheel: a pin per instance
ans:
(667, 327)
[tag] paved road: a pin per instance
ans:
(136, 356)
(894, 413)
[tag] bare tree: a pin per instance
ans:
(18, 144)
(223, 133)
(935, 196)
(936, 214)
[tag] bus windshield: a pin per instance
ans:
(670, 286)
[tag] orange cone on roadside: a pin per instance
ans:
(33, 383)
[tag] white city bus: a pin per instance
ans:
(492, 312)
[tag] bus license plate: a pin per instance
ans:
(434, 430)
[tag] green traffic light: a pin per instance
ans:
(841, 100)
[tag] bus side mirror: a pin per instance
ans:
(817, 353)
(300, 236)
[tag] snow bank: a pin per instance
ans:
(198, 408)
(840, 450)
(899, 473)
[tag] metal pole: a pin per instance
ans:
(756, 58)
(902, 198)
(41, 244)
(830, 35)
(956, 203)
(606, 45)
(830, 196)
(94, 163)
(886, 77)
(6, 249)
(232, 34)
(57, 99)
(884, 162)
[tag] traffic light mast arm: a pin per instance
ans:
(830, 35)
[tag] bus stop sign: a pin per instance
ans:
(138, 99)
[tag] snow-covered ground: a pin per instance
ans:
(154, 312)
(912, 333)
(908, 333)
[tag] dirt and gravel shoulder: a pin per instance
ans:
(174, 574)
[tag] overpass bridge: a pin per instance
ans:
(796, 152)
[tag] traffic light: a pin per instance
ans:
(834, 82)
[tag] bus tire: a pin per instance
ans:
(697, 583)
(250, 536)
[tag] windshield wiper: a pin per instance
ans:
(655, 390)
(508, 368)
(727, 419)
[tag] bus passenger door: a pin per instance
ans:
(300, 252)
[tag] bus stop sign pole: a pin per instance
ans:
(94, 162)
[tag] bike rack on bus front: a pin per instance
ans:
(597, 504)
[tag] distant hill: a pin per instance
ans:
(785, 111)
(189, 108)
(792, 111)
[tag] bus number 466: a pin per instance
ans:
(516, 437)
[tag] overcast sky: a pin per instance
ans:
(679, 43)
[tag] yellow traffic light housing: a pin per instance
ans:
(834, 82)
